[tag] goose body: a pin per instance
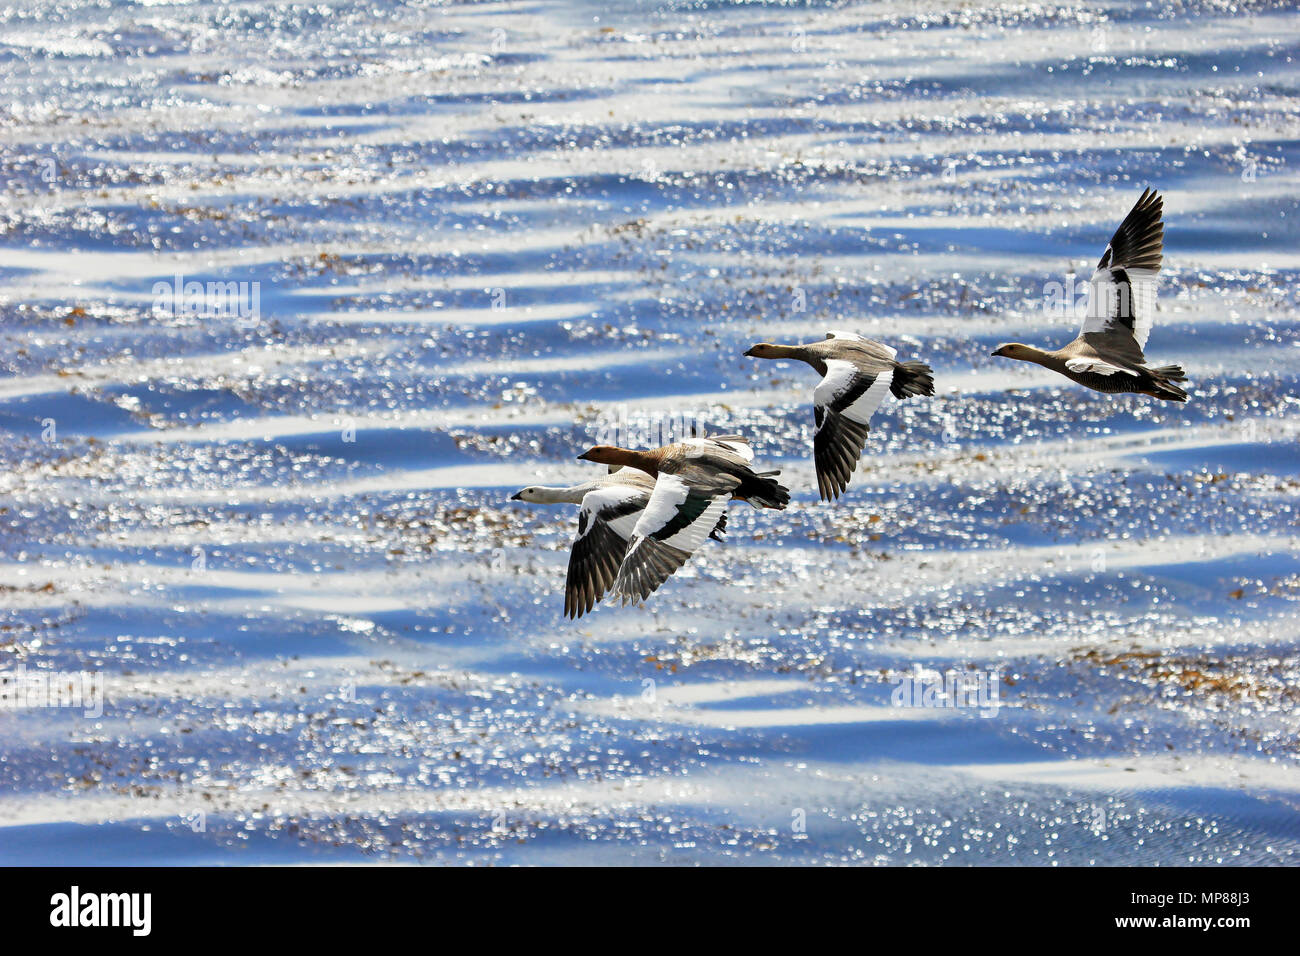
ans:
(694, 480)
(1107, 355)
(857, 373)
(610, 508)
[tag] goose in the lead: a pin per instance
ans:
(1107, 355)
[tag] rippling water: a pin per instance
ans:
(476, 236)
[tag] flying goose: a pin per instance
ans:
(1107, 355)
(694, 480)
(856, 373)
(611, 505)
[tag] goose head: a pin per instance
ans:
(604, 454)
(1015, 350)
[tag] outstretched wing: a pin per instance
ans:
(605, 523)
(885, 350)
(843, 404)
(681, 513)
(734, 444)
(1123, 296)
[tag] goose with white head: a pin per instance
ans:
(610, 508)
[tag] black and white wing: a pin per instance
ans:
(843, 404)
(681, 513)
(605, 523)
(1123, 295)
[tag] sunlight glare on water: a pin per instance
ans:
(464, 238)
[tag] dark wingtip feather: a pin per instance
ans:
(1138, 243)
(912, 378)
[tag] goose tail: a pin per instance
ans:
(762, 491)
(912, 378)
(1163, 383)
(1174, 373)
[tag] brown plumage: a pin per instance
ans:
(1107, 355)
(704, 460)
(694, 480)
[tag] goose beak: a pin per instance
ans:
(998, 351)
(584, 456)
(517, 496)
